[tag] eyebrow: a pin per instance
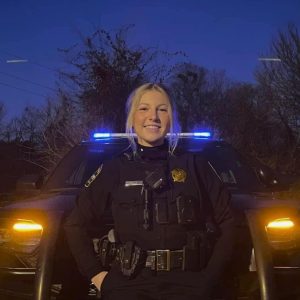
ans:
(163, 104)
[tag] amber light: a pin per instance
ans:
(24, 226)
(284, 223)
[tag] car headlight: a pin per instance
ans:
(25, 236)
(27, 226)
(21, 238)
(284, 223)
(19, 235)
(282, 233)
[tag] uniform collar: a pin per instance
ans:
(153, 153)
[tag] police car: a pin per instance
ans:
(35, 262)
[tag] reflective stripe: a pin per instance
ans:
(134, 183)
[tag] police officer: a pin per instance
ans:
(171, 212)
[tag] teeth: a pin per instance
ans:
(152, 126)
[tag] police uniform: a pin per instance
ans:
(175, 203)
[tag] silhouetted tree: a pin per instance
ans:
(280, 85)
(106, 70)
(197, 92)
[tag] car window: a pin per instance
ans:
(232, 168)
(80, 163)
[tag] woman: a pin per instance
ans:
(171, 212)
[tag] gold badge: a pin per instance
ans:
(178, 175)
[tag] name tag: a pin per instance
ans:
(134, 183)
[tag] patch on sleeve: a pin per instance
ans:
(93, 177)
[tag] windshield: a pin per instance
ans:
(80, 163)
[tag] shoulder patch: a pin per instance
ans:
(94, 176)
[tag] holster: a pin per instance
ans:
(131, 259)
(107, 252)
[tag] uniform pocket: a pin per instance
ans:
(125, 208)
(186, 209)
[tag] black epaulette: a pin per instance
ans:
(127, 153)
(93, 177)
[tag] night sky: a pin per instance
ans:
(228, 35)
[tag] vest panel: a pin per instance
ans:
(173, 209)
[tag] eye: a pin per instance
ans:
(143, 108)
(163, 109)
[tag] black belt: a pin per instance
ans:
(165, 260)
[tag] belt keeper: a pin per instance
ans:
(160, 255)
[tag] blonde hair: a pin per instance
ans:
(132, 104)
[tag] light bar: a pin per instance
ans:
(24, 226)
(284, 223)
(206, 134)
(99, 135)
(201, 134)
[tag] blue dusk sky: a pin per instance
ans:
(224, 35)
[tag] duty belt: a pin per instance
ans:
(165, 260)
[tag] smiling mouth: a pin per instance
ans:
(152, 126)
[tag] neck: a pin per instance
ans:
(152, 153)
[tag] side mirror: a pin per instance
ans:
(267, 176)
(29, 183)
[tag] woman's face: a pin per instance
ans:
(151, 119)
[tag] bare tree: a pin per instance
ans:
(279, 82)
(197, 92)
(62, 127)
(107, 69)
(46, 134)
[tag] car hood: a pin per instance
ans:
(246, 202)
(50, 201)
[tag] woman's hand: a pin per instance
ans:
(98, 279)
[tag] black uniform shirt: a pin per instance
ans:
(119, 187)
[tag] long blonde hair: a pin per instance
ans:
(132, 104)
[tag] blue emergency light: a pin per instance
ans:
(107, 135)
(100, 135)
(204, 134)
(197, 134)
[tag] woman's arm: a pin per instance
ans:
(85, 217)
(217, 198)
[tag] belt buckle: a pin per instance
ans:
(163, 260)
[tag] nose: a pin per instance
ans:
(153, 115)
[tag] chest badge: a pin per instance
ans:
(178, 175)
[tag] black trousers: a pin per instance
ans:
(150, 285)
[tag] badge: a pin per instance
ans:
(178, 175)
